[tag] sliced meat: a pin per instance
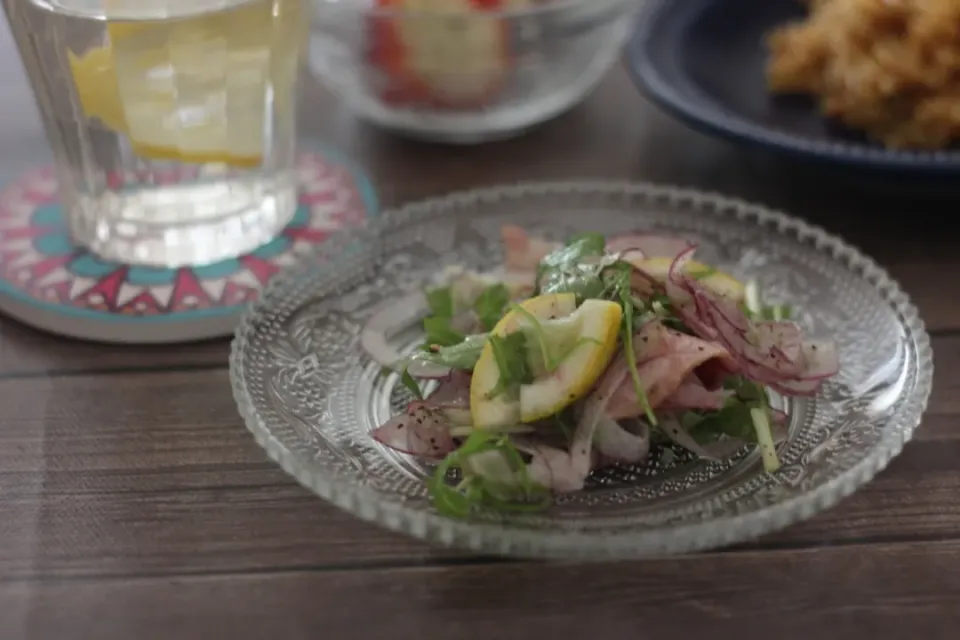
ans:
(665, 361)
(523, 253)
(692, 394)
(647, 245)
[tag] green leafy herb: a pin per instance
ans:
(761, 422)
(552, 340)
(618, 282)
(776, 312)
(626, 300)
(566, 422)
(744, 389)
(746, 416)
(510, 354)
(440, 301)
(502, 484)
(440, 333)
(406, 380)
(463, 355)
(565, 270)
(589, 243)
(760, 414)
(732, 420)
(490, 305)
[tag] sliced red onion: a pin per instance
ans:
(821, 359)
(763, 363)
(595, 408)
(549, 467)
(393, 317)
(453, 391)
(552, 468)
(681, 294)
(783, 336)
(651, 245)
(452, 397)
(524, 253)
(775, 355)
(617, 444)
(630, 254)
(643, 284)
(778, 418)
(692, 394)
(466, 323)
(771, 353)
(418, 431)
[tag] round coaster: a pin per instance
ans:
(49, 283)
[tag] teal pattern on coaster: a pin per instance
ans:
(40, 266)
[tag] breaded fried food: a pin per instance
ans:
(890, 68)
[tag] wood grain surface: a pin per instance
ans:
(134, 505)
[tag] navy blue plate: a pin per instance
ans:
(703, 61)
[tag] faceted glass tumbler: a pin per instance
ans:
(172, 123)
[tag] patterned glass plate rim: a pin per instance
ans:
(322, 465)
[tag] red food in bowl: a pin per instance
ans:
(445, 54)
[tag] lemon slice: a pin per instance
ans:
(199, 89)
(717, 281)
(580, 370)
(597, 323)
(500, 411)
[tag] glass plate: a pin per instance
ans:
(310, 394)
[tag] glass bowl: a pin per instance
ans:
(310, 394)
(454, 73)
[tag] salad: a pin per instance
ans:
(576, 356)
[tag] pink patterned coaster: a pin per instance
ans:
(47, 282)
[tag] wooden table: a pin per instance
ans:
(135, 506)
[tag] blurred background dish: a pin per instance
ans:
(886, 69)
(705, 61)
(466, 71)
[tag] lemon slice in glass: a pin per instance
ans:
(594, 327)
(199, 89)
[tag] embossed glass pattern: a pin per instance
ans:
(310, 395)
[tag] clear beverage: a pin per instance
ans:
(172, 122)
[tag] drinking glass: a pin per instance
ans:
(172, 122)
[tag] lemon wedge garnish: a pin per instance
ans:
(597, 323)
(195, 90)
(580, 370)
(486, 412)
(717, 281)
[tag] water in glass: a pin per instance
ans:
(171, 121)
